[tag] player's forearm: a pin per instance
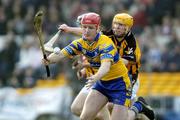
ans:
(54, 57)
(75, 30)
(125, 61)
(86, 65)
(69, 29)
(103, 70)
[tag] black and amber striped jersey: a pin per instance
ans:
(128, 49)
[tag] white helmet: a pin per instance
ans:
(79, 18)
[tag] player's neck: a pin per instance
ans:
(120, 38)
(90, 43)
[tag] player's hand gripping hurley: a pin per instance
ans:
(38, 28)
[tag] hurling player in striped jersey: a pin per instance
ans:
(128, 48)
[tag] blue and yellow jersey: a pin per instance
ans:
(128, 49)
(102, 49)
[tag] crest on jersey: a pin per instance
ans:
(129, 51)
(102, 46)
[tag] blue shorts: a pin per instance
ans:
(118, 91)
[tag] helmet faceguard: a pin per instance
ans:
(123, 19)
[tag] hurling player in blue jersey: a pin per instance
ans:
(128, 49)
(110, 81)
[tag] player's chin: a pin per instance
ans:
(119, 34)
(87, 37)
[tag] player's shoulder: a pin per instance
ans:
(130, 38)
(105, 38)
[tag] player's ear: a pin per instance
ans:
(98, 28)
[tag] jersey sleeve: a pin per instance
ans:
(107, 51)
(127, 50)
(72, 49)
(130, 49)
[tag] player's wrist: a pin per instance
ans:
(85, 65)
(97, 77)
(51, 59)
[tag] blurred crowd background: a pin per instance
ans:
(156, 26)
